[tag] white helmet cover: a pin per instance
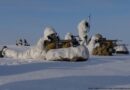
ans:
(48, 31)
(83, 29)
(68, 36)
(96, 37)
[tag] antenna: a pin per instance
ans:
(89, 19)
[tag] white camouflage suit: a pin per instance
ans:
(83, 30)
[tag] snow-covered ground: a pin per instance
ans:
(98, 73)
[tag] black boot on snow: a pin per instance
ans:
(1, 52)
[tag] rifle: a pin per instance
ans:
(72, 42)
(111, 40)
(110, 43)
(104, 40)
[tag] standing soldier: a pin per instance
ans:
(83, 29)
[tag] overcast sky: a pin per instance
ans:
(28, 18)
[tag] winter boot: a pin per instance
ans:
(2, 52)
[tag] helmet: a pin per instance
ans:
(68, 36)
(97, 36)
(48, 31)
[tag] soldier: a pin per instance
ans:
(19, 42)
(73, 40)
(26, 43)
(105, 48)
(83, 29)
(93, 42)
(53, 40)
